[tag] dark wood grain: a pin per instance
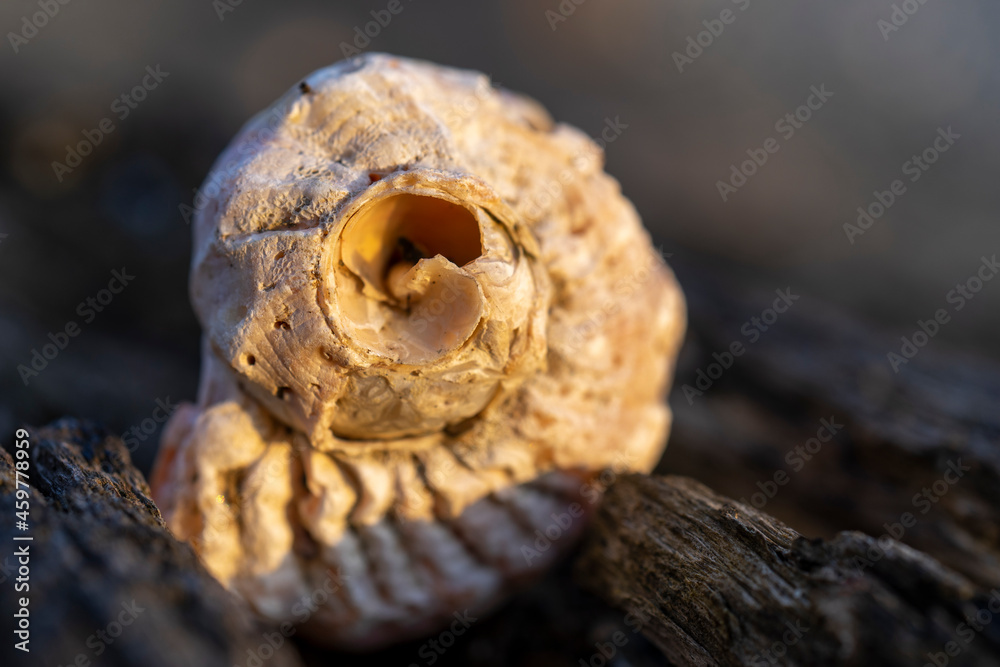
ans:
(719, 583)
(109, 585)
(899, 433)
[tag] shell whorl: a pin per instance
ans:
(430, 319)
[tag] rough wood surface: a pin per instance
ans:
(901, 432)
(108, 583)
(722, 584)
(99, 543)
(104, 539)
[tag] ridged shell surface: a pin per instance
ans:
(433, 330)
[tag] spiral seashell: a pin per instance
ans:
(430, 322)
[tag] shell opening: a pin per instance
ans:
(411, 297)
(392, 235)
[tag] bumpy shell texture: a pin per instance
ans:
(430, 322)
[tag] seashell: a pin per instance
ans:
(431, 321)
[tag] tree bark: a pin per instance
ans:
(716, 582)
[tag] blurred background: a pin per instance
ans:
(690, 88)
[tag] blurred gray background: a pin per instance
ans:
(591, 63)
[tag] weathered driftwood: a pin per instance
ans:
(99, 543)
(719, 583)
(108, 583)
(903, 438)
(712, 585)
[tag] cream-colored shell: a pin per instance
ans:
(430, 320)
